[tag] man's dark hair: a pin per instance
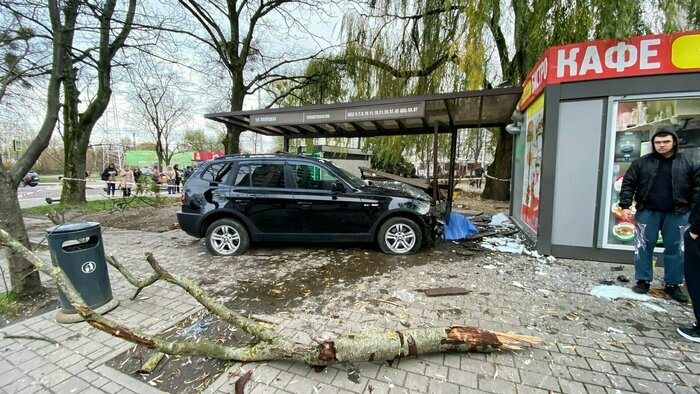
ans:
(663, 134)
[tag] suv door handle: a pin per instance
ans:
(304, 204)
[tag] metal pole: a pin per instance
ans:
(453, 159)
(435, 163)
(285, 146)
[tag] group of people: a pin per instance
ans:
(126, 178)
(665, 185)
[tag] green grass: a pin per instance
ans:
(48, 179)
(9, 305)
(104, 205)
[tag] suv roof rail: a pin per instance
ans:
(276, 154)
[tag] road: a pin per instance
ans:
(36, 196)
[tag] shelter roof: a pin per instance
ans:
(395, 116)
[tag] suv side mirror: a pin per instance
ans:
(337, 187)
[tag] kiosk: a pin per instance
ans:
(588, 111)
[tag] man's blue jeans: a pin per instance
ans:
(672, 226)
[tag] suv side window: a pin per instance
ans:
(260, 175)
(309, 176)
(216, 172)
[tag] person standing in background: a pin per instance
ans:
(110, 176)
(178, 177)
(126, 180)
(170, 179)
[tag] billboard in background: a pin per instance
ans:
(206, 155)
(147, 158)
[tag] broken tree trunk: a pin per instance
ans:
(373, 346)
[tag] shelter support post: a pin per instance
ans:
(453, 160)
(285, 146)
(436, 131)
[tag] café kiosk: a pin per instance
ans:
(586, 113)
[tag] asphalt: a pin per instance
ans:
(591, 344)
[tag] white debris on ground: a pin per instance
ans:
(503, 244)
(614, 292)
(654, 307)
(500, 219)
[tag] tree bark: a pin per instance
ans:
(499, 189)
(78, 126)
(374, 346)
(24, 278)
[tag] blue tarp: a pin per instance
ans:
(459, 227)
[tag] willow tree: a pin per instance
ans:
(98, 31)
(410, 48)
(389, 36)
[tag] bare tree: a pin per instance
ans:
(20, 69)
(158, 105)
(89, 60)
(257, 43)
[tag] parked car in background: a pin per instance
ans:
(235, 200)
(31, 179)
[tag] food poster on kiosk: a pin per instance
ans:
(534, 121)
(634, 122)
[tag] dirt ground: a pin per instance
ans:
(472, 201)
(150, 219)
(158, 220)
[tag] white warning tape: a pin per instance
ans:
(486, 174)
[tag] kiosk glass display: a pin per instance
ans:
(633, 123)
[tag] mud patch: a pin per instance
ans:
(183, 374)
(272, 293)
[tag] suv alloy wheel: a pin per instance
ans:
(227, 237)
(399, 236)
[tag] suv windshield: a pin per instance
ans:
(352, 179)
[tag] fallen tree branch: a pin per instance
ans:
(346, 348)
(230, 316)
(31, 337)
(139, 284)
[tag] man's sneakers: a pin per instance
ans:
(690, 333)
(675, 292)
(642, 287)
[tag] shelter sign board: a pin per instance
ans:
(356, 114)
(534, 119)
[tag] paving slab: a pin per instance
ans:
(590, 344)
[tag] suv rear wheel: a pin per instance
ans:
(227, 237)
(399, 236)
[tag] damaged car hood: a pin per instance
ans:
(378, 187)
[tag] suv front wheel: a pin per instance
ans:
(227, 237)
(399, 236)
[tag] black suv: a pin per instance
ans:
(236, 199)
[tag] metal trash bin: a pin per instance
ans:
(77, 249)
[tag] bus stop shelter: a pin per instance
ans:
(437, 113)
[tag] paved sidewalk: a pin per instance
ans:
(591, 345)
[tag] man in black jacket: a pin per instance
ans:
(664, 185)
(691, 261)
